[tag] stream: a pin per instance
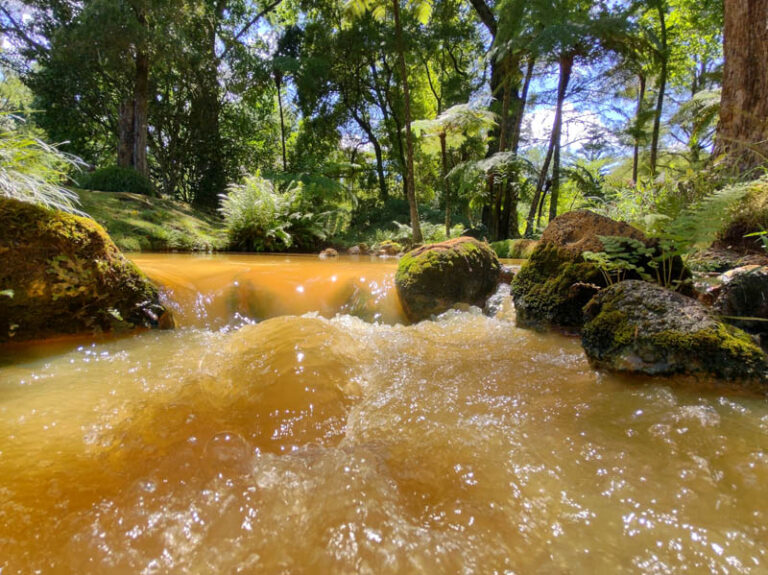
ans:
(293, 423)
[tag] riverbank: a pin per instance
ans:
(139, 223)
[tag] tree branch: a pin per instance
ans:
(486, 15)
(269, 8)
(16, 28)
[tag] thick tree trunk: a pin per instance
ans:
(662, 9)
(140, 117)
(125, 139)
(742, 133)
(638, 129)
(509, 221)
(566, 66)
(414, 209)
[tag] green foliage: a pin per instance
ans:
(518, 249)
(675, 239)
(620, 258)
(432, 233)
(117, 179)
(749, 217)
(261, 218)
(32, 171)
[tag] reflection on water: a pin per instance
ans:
(315, 445)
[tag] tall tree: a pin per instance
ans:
(742, 133)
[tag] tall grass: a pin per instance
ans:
(32, 170)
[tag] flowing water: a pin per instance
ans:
(259, 438)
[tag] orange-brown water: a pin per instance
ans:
(306, 444)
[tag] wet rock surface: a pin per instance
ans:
(433, 278)
(639, 327)
(556, 282)
(62, 274)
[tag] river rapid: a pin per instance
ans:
(293, 424)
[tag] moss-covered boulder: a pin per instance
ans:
(553, 286)
(387, 248)
(556, 282)
(742, 298)
(433, 278)
(640, 327)
(62, 274)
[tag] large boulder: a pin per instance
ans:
(62, 274)
(433, 278)
(742, 298)
(640, 327)
(556, 282)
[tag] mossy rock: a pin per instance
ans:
(66, 277)
(556, 282)
(553, 286)
(640, 327)
(387, 248)
(433, 278)
(742, 298)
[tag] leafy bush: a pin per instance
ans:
(31, 170)
(117, 179)
(432, 233)
(518, 249)
(260, 218)
(692, 230)
(748, 218)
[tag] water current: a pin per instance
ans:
(293, 424)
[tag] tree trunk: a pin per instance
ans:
(566, 66)
(742, 133)
(209, 177)
(140, 120)
(540, 186)
(497, 217)
(638, 129)
(278, 82)
(383, 189)
(125, 138)
(661, 5)
(365, 125)
(446, 185)
(509, 222)
(515, 142)
(414, 209)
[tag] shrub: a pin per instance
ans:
(117, 179)
(747, 219)
(262, 219)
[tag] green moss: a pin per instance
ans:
(543, 288)
(433, 278)
(66, 274)
(139, 223)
